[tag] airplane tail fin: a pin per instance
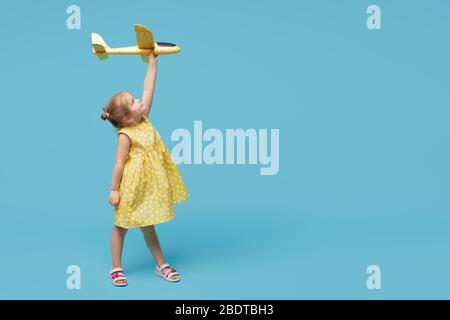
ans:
(99, 46)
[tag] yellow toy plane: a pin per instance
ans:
(145, 43)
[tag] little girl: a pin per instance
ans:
(146, 182)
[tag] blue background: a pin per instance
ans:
(363, 118)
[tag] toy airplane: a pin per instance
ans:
(145, 43)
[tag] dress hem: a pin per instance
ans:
(145, 225)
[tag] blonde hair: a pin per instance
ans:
(116, 110)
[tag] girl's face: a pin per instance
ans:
(135, 106)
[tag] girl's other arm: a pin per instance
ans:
(149, 82)
(123, 147)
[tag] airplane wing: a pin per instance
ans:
(144, 37)
(145, 42)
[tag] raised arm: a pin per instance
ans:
(149, 82)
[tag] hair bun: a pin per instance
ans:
(105, 116)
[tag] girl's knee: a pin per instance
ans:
(150, 230)
(121, 230)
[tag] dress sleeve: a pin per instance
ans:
(125, 131)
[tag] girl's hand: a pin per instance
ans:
(114, 197)
(152, 58)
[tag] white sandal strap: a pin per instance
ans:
(164, 265)
(115, 270)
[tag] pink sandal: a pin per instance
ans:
(168, 275)
(117, 275)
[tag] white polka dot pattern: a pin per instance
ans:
(151, 182)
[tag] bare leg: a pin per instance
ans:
(151, 238)
(117, 239)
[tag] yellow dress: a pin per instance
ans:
(151, 182)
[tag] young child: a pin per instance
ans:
(146, 182)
